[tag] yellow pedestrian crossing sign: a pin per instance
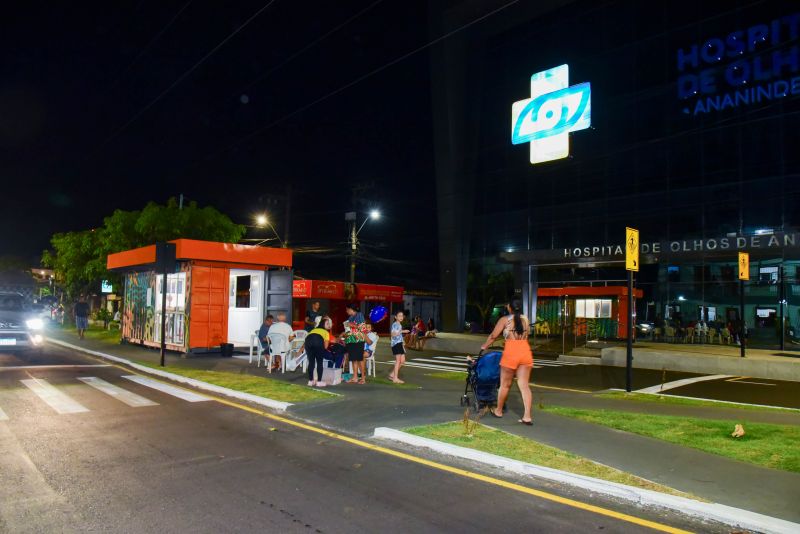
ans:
(744, 266)
(632, 249)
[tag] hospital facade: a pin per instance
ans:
(695, 109)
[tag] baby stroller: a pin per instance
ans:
(483, 379)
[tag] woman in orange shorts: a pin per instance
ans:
(517, 358)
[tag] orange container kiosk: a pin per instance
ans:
(216, 293)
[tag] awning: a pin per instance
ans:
(192, 249)
(317, 289)
(587, 291)
(380, 293)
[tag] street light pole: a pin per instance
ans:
(352, 217)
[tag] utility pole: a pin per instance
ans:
(350, 216)
(744, 274)
(287, 215)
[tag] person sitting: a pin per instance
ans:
(280, 327)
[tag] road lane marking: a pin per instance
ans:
(60, 402)
(443, 467)
(169, 389)
(681, 383)
(3, 416)
(128, 397)
(561, 389)
(429, 366)
(19, 367)
(741, 380)
(462, 472)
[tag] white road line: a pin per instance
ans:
(453, 358)
(426, 360)
(427, 366)
(57, 400)
(3, 416)
(754, 383)
(128, 397)
(181, 393)
(19, 367)
(680, 383)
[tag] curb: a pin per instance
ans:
(239, 395)
(709, 511)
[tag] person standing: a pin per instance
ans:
(311, 316)
(398, 349)
(354, 336)
(517, 358)
(81, 311)
(316, 345)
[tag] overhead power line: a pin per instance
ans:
(364, 77)
(187, 73)
(150, 44)
(310, 45)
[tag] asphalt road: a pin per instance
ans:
(552, 373)
(109, 454)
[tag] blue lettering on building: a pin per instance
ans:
(750, 66)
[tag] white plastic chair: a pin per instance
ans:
(278, 346)
(263, 351)
(297, 355)
(369, 363)
(299, 334)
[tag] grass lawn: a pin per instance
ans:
(94, 332)
(763, 444)
(527, 450)
(255, 385)
(449, 375)
(667, 399)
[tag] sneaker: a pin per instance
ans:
(311, 383)
(321, 384)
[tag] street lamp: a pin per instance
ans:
(351, 217)
(261, 222)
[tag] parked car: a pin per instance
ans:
(20, 326)
(645, 329)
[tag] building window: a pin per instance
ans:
(593, 308)
(768, 275)
(673, 273)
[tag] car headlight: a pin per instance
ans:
(34, 324)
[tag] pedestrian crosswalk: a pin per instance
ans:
(459, 363)
(60, 401)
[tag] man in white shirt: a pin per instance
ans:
(281, 327)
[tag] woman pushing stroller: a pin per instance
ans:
(517, 358)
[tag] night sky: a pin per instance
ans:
(80, 135)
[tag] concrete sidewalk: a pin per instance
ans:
(362, 408)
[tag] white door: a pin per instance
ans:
(245, 305)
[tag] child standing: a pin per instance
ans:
(397, 347)
(371, 343)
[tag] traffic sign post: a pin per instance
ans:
(744, 274)
(631, 265)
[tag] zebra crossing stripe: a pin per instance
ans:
(452, 358)
(181, 393)
(60, 402)
(3, 416)
(123, 395)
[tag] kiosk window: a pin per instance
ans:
(243, 291)
(593, 308)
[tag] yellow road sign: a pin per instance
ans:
(744, 266)
(632, 249)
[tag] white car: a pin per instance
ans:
(21, 328)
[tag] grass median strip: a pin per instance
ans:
(449, 375)
(682, 401)
(95, 332)
(255, 385)
(501, 443)
(763, 444)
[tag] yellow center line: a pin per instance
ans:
(447, 468)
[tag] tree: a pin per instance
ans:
(487, 288)
(79, 258)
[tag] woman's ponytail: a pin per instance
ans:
(516, 309)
